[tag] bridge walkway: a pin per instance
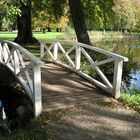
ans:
(63, 88)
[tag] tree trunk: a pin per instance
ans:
(78, 21)
(24, 25)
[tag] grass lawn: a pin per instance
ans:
(39, 35)
(8, 36)
(49, 36)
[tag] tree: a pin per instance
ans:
(98, 13)
(78, 21)
(125, 14)
(2, 15)
(136, 9)
(24, 24)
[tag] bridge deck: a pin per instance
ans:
(62, 88)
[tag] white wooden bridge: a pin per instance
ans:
(79, 58)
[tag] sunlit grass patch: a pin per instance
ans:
(132, 100)
(49, 36)
(39, 35)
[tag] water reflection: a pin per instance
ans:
(136, 55)
(135, 80)
(129, 47)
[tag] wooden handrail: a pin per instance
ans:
(57, 52)
(26, 68)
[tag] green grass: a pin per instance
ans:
(39, 35)
(49, 36)
(8, 36)
(33, 131)
(132, 101)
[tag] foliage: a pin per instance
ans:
(49, 13)
(70, 34)
(131, 65)
(32, 131)
(98, 13)
(38, 128)
(90, 72)
(132, 100)
(9, 11)
(44, 12)
(125, 14)
(43, 20)
(136, 8)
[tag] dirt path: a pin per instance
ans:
(97, 121)
(92, 116)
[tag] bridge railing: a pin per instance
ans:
(87, 60)
(26, 68)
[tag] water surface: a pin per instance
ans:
(129, 47)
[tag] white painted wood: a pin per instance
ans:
(78, 57)
(42, 47)
(98, 83)
(96, 64)
(7, 51)
(55, 53)
(16, 62)
(66, 56)
(106, 85)
(100, 73)
(117, 78)
(47, 50)
(11, 55)
(66, 53)
(26, 87)
(24, 51)
(113, 55)
(5, 54)
(37, 90)
(1, 57)
(24, 69)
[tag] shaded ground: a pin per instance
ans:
(62, 88)
(87, 113)
(95, 121)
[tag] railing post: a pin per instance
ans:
(78, 57)
(55, 52)
(0, 52)
(5, 53)
(117, 78)
(37, 90)
(42, 46)
(16, 62)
